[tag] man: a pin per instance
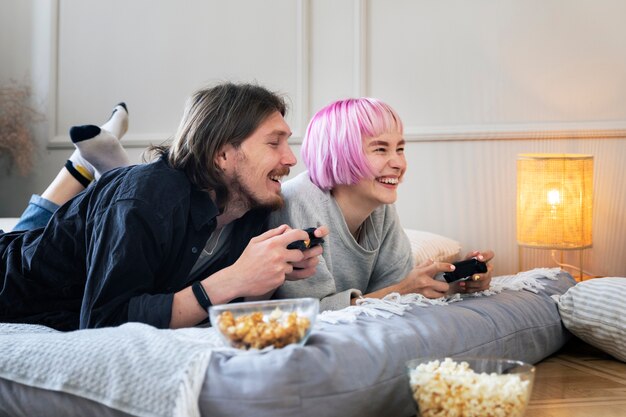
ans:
(158, 243)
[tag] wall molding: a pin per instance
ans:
(136, 140)
(359, 20)
(516, 132)
(611, 129)
(52, 92)
(142, 140)
(302, 103)
(443, 134)
(303, 79)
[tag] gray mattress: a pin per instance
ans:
(354, 369)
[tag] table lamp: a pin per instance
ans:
(554, 203)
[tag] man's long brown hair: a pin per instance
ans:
(224, 114)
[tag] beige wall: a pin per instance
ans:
(475, 82)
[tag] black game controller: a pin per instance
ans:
(306, 244)
(465, 269)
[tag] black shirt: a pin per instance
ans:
(116, 252)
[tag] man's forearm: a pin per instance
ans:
(187, 311)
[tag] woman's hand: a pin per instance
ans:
(421, 280)
(478, 282)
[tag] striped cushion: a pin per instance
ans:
(595, 311)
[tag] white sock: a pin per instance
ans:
(118, 122)
(102, 150)
(90, 160)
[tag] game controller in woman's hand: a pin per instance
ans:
(465, 269)
(306, 244)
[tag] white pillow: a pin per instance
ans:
(595, 311)
(7, 223)
(426, 245)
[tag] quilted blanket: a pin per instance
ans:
(134, 368)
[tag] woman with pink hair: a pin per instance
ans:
(354, 154)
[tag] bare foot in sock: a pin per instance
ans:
(118, 122)
(99, 149)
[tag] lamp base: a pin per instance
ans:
(580, 273)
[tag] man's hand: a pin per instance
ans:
(266, 261)
(260, 269)
(306, 267)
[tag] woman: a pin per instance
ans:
(354, 153)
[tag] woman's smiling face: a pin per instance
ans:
(385, 154)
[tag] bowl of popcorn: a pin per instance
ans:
(468, 387)
(261, 324)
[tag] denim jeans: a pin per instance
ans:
(37, 213)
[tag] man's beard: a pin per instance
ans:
(240, 194)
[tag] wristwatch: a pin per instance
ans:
(201, 295)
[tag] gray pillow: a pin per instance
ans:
(358, 369)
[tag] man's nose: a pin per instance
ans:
(289, 158)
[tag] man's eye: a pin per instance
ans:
(400, 150)
(273, 144)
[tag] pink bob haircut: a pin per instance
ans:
(332, 148)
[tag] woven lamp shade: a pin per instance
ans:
(554, 200)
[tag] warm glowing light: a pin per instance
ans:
(554, 200)
(553, 197)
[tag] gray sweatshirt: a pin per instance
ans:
(347, 268)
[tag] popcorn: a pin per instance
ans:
(253, 331)
(451, 389)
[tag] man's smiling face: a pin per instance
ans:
(253, 170)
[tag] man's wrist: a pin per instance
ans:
(219, 287)
(201, 295)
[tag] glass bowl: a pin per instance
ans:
(260, 324)
(464, 386)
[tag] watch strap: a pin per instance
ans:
(201, 295)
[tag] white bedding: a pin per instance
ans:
(134, 368)
(7, 223)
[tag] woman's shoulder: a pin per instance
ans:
(305, 204)
(385, 215)
(300, 186)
